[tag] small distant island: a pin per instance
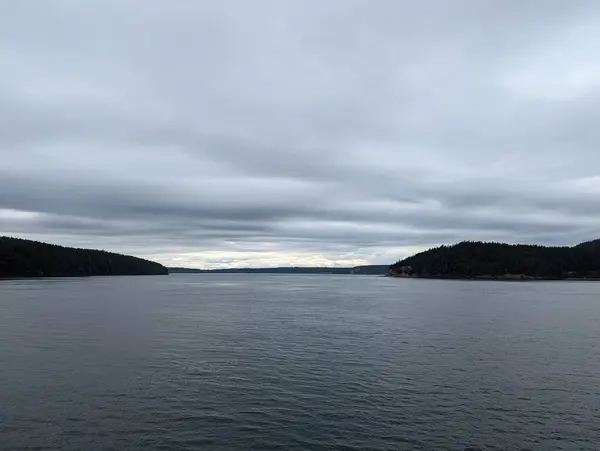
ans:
(25, 258)
(499, 261)
(366, 269)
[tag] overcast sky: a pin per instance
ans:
(298, 132)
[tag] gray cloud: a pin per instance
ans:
(268, 132)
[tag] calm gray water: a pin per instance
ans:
(257, 362)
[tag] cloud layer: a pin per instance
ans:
(262, 133)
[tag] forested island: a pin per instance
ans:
(465, 260)
(366, 269)
(24, 258)
(499, 261)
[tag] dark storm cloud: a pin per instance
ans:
(274, 132)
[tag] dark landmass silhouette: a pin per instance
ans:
(25, 258)
(500, 261)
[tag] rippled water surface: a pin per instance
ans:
(258, 362)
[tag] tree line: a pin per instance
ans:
(25, 258)
(470, 259)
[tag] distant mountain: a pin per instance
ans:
(471, 260)
(368, 269)
(24, 258)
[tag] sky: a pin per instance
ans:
(298, 132)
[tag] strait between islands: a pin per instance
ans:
(466, 260)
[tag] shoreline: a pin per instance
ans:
(87, 276)
(498, 279)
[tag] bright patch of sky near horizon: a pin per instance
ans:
(275, 133)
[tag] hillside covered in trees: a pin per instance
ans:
(476, 260)
(24, 258)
